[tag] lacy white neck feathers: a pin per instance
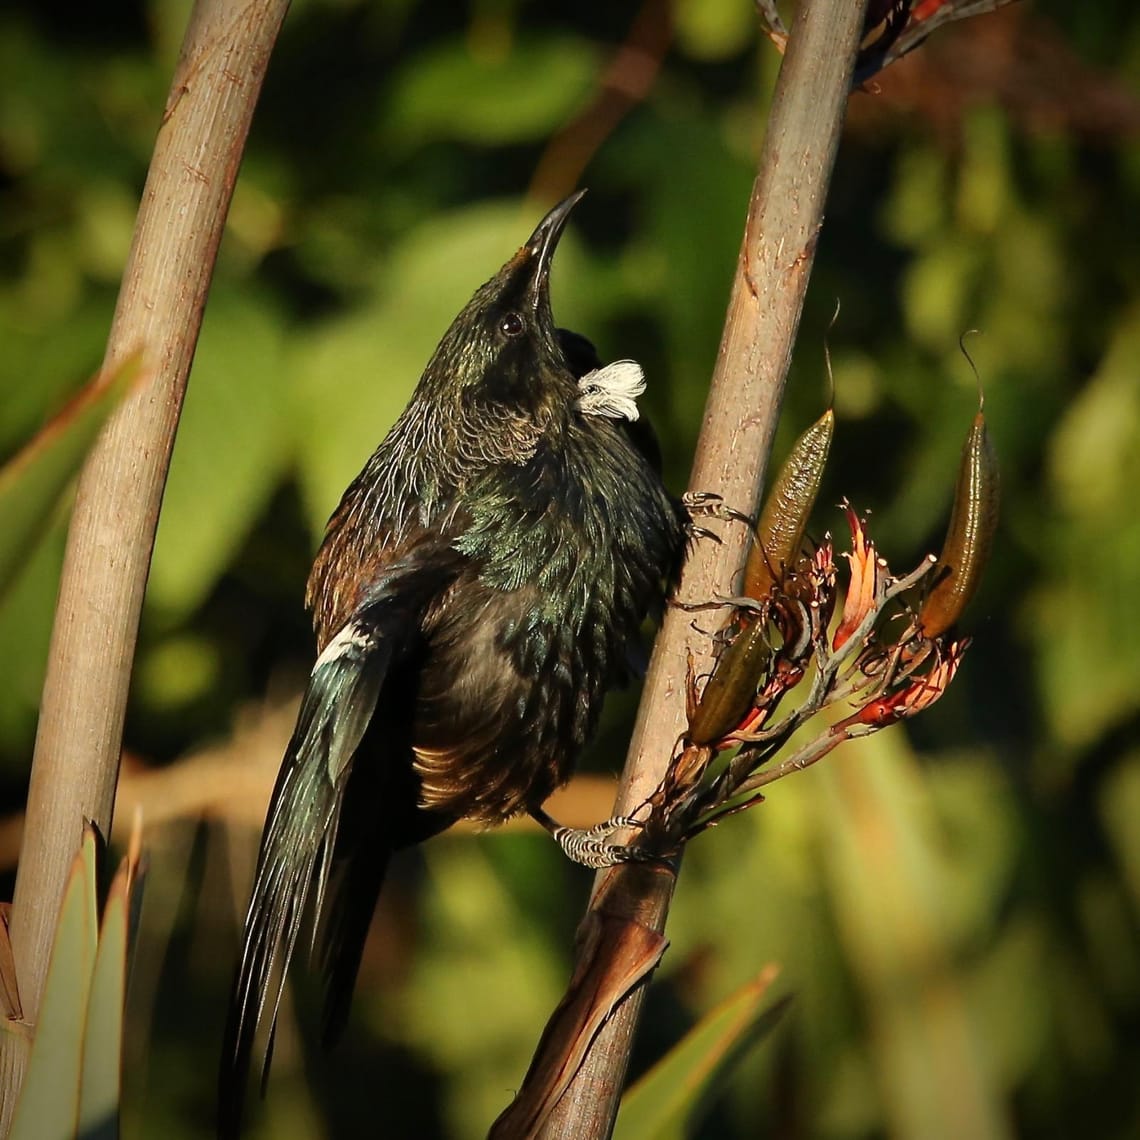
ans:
(612, 391)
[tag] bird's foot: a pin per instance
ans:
(696, 532)
(590, 846)
(607, 827)
(712, 505)
(596, 853)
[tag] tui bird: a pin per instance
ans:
(479, 588)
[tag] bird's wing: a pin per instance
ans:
(300, 831)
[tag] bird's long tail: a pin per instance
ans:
(298, 842)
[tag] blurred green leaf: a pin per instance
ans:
(668, 1101)
(979, 837)
(467, 1004)
(1084, 613)
(1094, 464)
(1120, 809)
(886, 873)
(71, 1087)
(177, 671)
(454, 92)
(38, 369)
(103, 1036)
(687, 258)
(714, 29)
(104, 227)
(938, 289)
(50, 1097)
(984, 189)
(32, 481)
(915, 210)
(229, 454)
(1005, 988)
(26, 612)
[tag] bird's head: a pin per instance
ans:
(503, 346)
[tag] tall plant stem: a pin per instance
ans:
(784, 218)
(183, 210)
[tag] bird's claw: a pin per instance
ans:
(590, 846)
(607, 827)
(711, 504)
(596, 853)
(702, 532)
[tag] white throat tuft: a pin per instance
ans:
(612, 391)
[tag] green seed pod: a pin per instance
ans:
(731, 689)
(969, 538)
(780, 531)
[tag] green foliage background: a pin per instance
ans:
(955, 905)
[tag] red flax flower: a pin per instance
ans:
(915, 696)
(871, 654)
(863, 587)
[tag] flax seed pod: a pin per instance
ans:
(969, 538)
(780, 531)
(731, 689)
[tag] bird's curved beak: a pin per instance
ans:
(541, 245)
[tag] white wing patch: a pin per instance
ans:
(352, 639)
(612, 391)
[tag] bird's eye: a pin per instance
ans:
(511, 325)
